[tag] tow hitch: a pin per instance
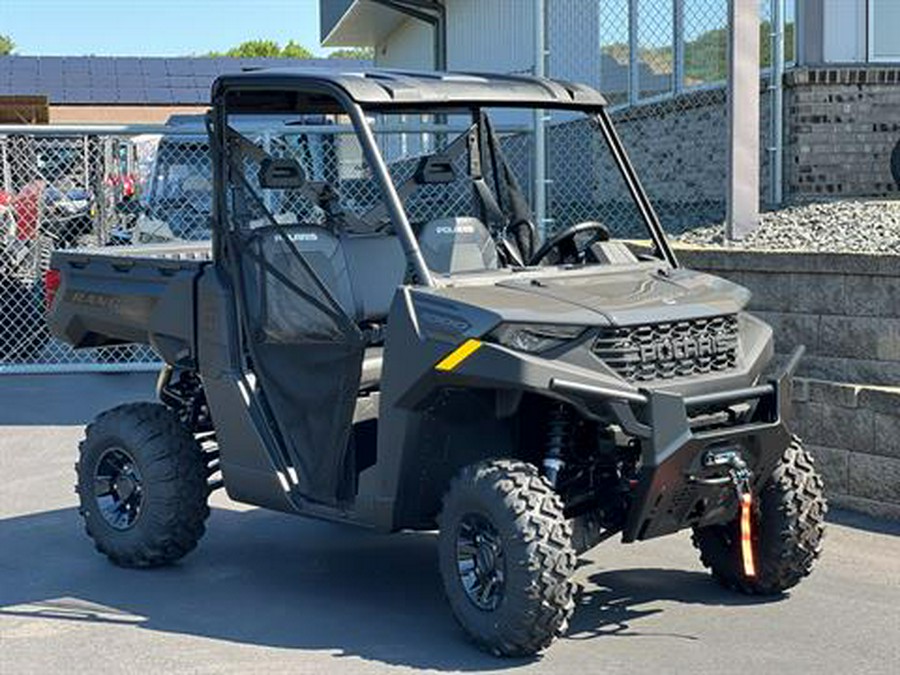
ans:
(739, 476)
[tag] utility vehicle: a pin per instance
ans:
(379, 335)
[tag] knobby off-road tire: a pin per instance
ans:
(523, 520)
(162, 480)
(788, 527)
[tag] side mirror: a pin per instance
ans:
(279, 173)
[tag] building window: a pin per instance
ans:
(884, 35)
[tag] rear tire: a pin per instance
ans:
(142, 484)
(788, 527)
(526, 599)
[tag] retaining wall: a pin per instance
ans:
(846, 309)
(854, 434)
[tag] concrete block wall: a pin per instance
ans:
(844, 307)
(854, 434)
(842, 126)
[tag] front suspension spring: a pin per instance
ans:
(559, 441)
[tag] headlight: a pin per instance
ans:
(534, 337)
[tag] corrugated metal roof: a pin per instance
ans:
(113, 80)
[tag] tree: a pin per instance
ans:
(353, 53)
(292, 50)
(266, 49)
(7, 46)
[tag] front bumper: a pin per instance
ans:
(671, 492)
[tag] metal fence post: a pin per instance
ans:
(540, 139)
(743, 119)
(776, 85)
(678, 45)
(634, 92)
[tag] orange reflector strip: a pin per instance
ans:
(458, 355)
(746, 536)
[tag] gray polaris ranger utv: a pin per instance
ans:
(378, 335)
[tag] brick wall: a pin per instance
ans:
(854, 434)
(841, 128)
(844, 307)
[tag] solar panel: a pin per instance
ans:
(101, 66)
(74, 64)
(135, 96)
(181, 67)
(124, 80)
(155, 68)
(128, 65)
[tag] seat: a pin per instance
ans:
(361, 272)
(376, 266)
(461, 244)
(282, 316)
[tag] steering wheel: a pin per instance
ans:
(564, 242)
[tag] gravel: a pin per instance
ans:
(852, 226)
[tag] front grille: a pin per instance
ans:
(667, 350)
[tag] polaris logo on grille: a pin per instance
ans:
(682, 348)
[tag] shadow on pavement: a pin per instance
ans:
(614, 600)
(861, 521)
(268, 579)
(257, 578)
(69, 399)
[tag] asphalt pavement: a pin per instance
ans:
(267, 592)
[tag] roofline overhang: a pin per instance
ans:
(362, 24)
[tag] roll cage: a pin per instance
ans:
(296, 91)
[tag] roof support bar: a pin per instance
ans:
(392, 199)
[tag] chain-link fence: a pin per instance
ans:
(93, 189)
(65, 188)
(662, 65)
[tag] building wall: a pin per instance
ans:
(118, 114)
(492, 36)
(485, 36)
(410, 47)
(842, 129)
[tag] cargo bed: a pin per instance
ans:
(130, 294)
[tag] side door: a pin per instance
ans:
(301, 346)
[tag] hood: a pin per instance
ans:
(633, 296)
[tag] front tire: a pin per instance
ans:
(142, 485)
(788, 527)
(506, 557)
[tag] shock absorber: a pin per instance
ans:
(559, 441)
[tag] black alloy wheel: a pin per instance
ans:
(480, 562)
(118, 489)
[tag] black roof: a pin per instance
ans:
(371, 87)
(114, 80)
